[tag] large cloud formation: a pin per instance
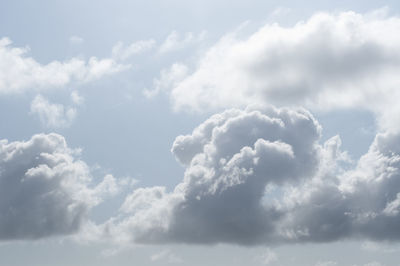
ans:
(261, 177)
(230, 160)
(44, 190)
(328, 61)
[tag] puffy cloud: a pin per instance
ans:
(44, 189)
(230, 160)
(328, 61)
(261, 177)
(175, 42)
(123, 52)
(362, 202)
(18, 72)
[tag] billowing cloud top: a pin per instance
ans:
(261, 177)
(44, 190)
(251, 176)
(328, 61)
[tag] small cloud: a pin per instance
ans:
(76, 98)
(75, 40)
(326, 263)
(166, 255)
(373, 263)
(280, 11)
(168, 78)
(378, 247)
(52, 115)
(269, 257)
(175, 41)
(120, 51)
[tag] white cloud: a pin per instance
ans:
(52, 115)
(76, 98)
(19, 73)
(122, 52)
(168, 78)
(175, 41)
(343, 60)
(44, 190)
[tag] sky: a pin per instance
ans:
(171, 132)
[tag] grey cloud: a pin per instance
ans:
(359, 203)
(44, 190)
(230, 160)
(261, 177)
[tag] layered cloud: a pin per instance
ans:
(19, 72)
(261, 177)
(44, 190)
(328, 61)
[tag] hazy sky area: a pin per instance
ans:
(223, 133)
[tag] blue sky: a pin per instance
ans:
(192, 133)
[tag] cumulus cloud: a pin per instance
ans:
(262, 177)
(44, 190)
(175, 41)
(120, 51)
(229, 159)
(328, 61)
(19, 72)
(359, 203)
